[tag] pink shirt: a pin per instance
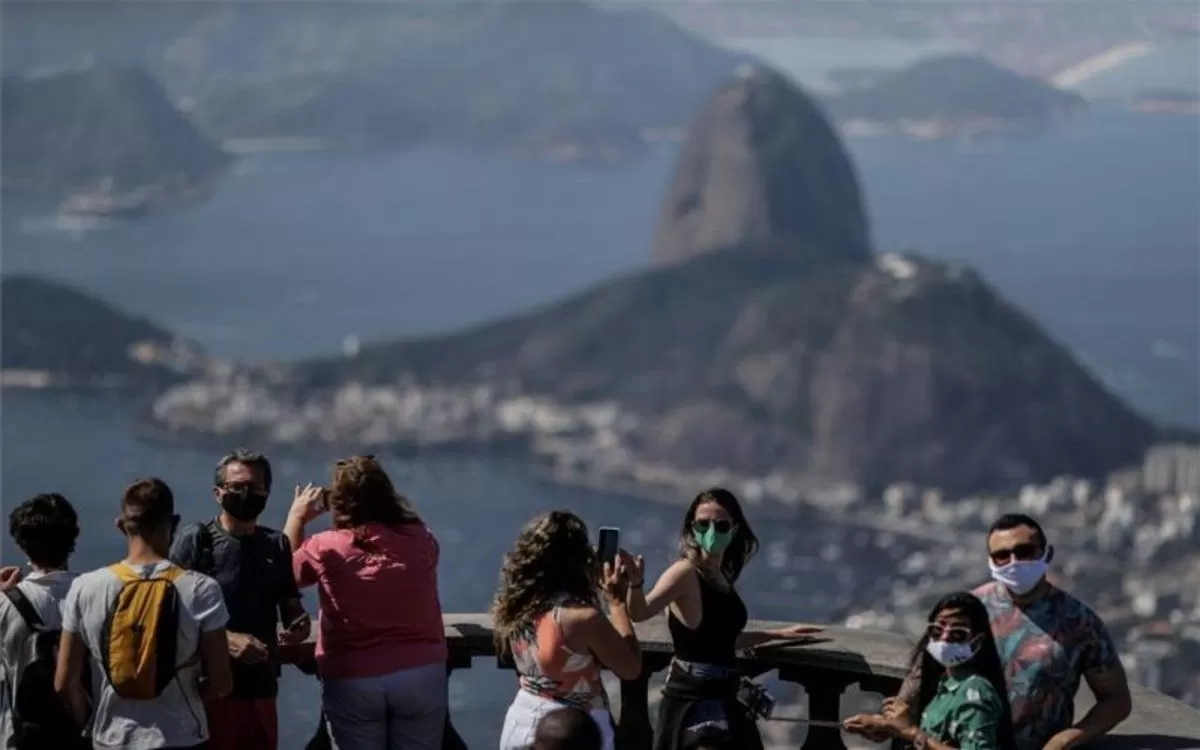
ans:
(379, 606)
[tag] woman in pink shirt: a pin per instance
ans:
(381, 646)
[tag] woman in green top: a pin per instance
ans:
(962, 698)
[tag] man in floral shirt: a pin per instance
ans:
(1049, 642)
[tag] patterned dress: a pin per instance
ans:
(964, 713)
(1046, 649)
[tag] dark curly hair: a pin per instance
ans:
(362, 493)
(45, 527)
(986, 662)
(552, 558)
(744, 544)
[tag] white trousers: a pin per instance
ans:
(527, 709)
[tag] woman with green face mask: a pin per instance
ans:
(707, 620)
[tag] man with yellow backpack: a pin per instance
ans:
(155, 632)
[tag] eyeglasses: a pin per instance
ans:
(1024, 552)
(949, 633)
(722, 526)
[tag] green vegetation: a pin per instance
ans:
(50, 327)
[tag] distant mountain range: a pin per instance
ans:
(565, 80)
(774, 348)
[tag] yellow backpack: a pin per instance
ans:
(141, 633)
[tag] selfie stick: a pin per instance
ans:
(811, 722)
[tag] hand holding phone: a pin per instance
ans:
(608, 545)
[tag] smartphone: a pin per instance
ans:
(609, 544)
(323, 500)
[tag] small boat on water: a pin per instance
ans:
(103, 203)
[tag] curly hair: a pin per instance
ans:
(552, 558)
(744, 544)
(45, 527)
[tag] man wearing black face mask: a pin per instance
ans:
(253, 565)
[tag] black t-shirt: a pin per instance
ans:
(255, 573)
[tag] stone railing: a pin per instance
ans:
(825, 666)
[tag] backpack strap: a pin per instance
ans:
(25, 608)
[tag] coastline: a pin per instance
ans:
(1110, 59)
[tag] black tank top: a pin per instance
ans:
(722, 620)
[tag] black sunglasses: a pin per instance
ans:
(701, 525)
(1023, 552)
(949, 633)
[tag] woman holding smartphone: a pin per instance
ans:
(381, 646)
(548, 617)
(707, 619)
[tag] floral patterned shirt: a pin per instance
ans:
(964, 713)
(1046, 649)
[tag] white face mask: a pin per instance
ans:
(951, 654)
(1021, 576)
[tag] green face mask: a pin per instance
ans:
(712, 541)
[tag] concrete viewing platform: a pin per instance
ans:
(825, 666)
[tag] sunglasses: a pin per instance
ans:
(701, 525)
(948, 633)
(1023, 552)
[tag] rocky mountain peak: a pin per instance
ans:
(762, 165)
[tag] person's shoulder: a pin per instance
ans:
(580, 614)
(980, 691)
(198, 588)
(191, 537)
(992, 594)
(681, 567)
(99, 576)
(326, 545)
(1069, 609)
(1068, 603)
(196, 581)
(190, 532)
(98, 582)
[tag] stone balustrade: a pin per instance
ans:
(825, 666)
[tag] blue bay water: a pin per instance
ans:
(1090, 228)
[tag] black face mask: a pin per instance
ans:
(243, 504)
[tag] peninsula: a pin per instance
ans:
(951, 96)
(785, 350)
(58, 336)
(103, 141)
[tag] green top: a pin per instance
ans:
(964, 713)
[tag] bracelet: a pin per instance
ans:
(637, 585)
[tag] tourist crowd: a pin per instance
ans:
(179, 644)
